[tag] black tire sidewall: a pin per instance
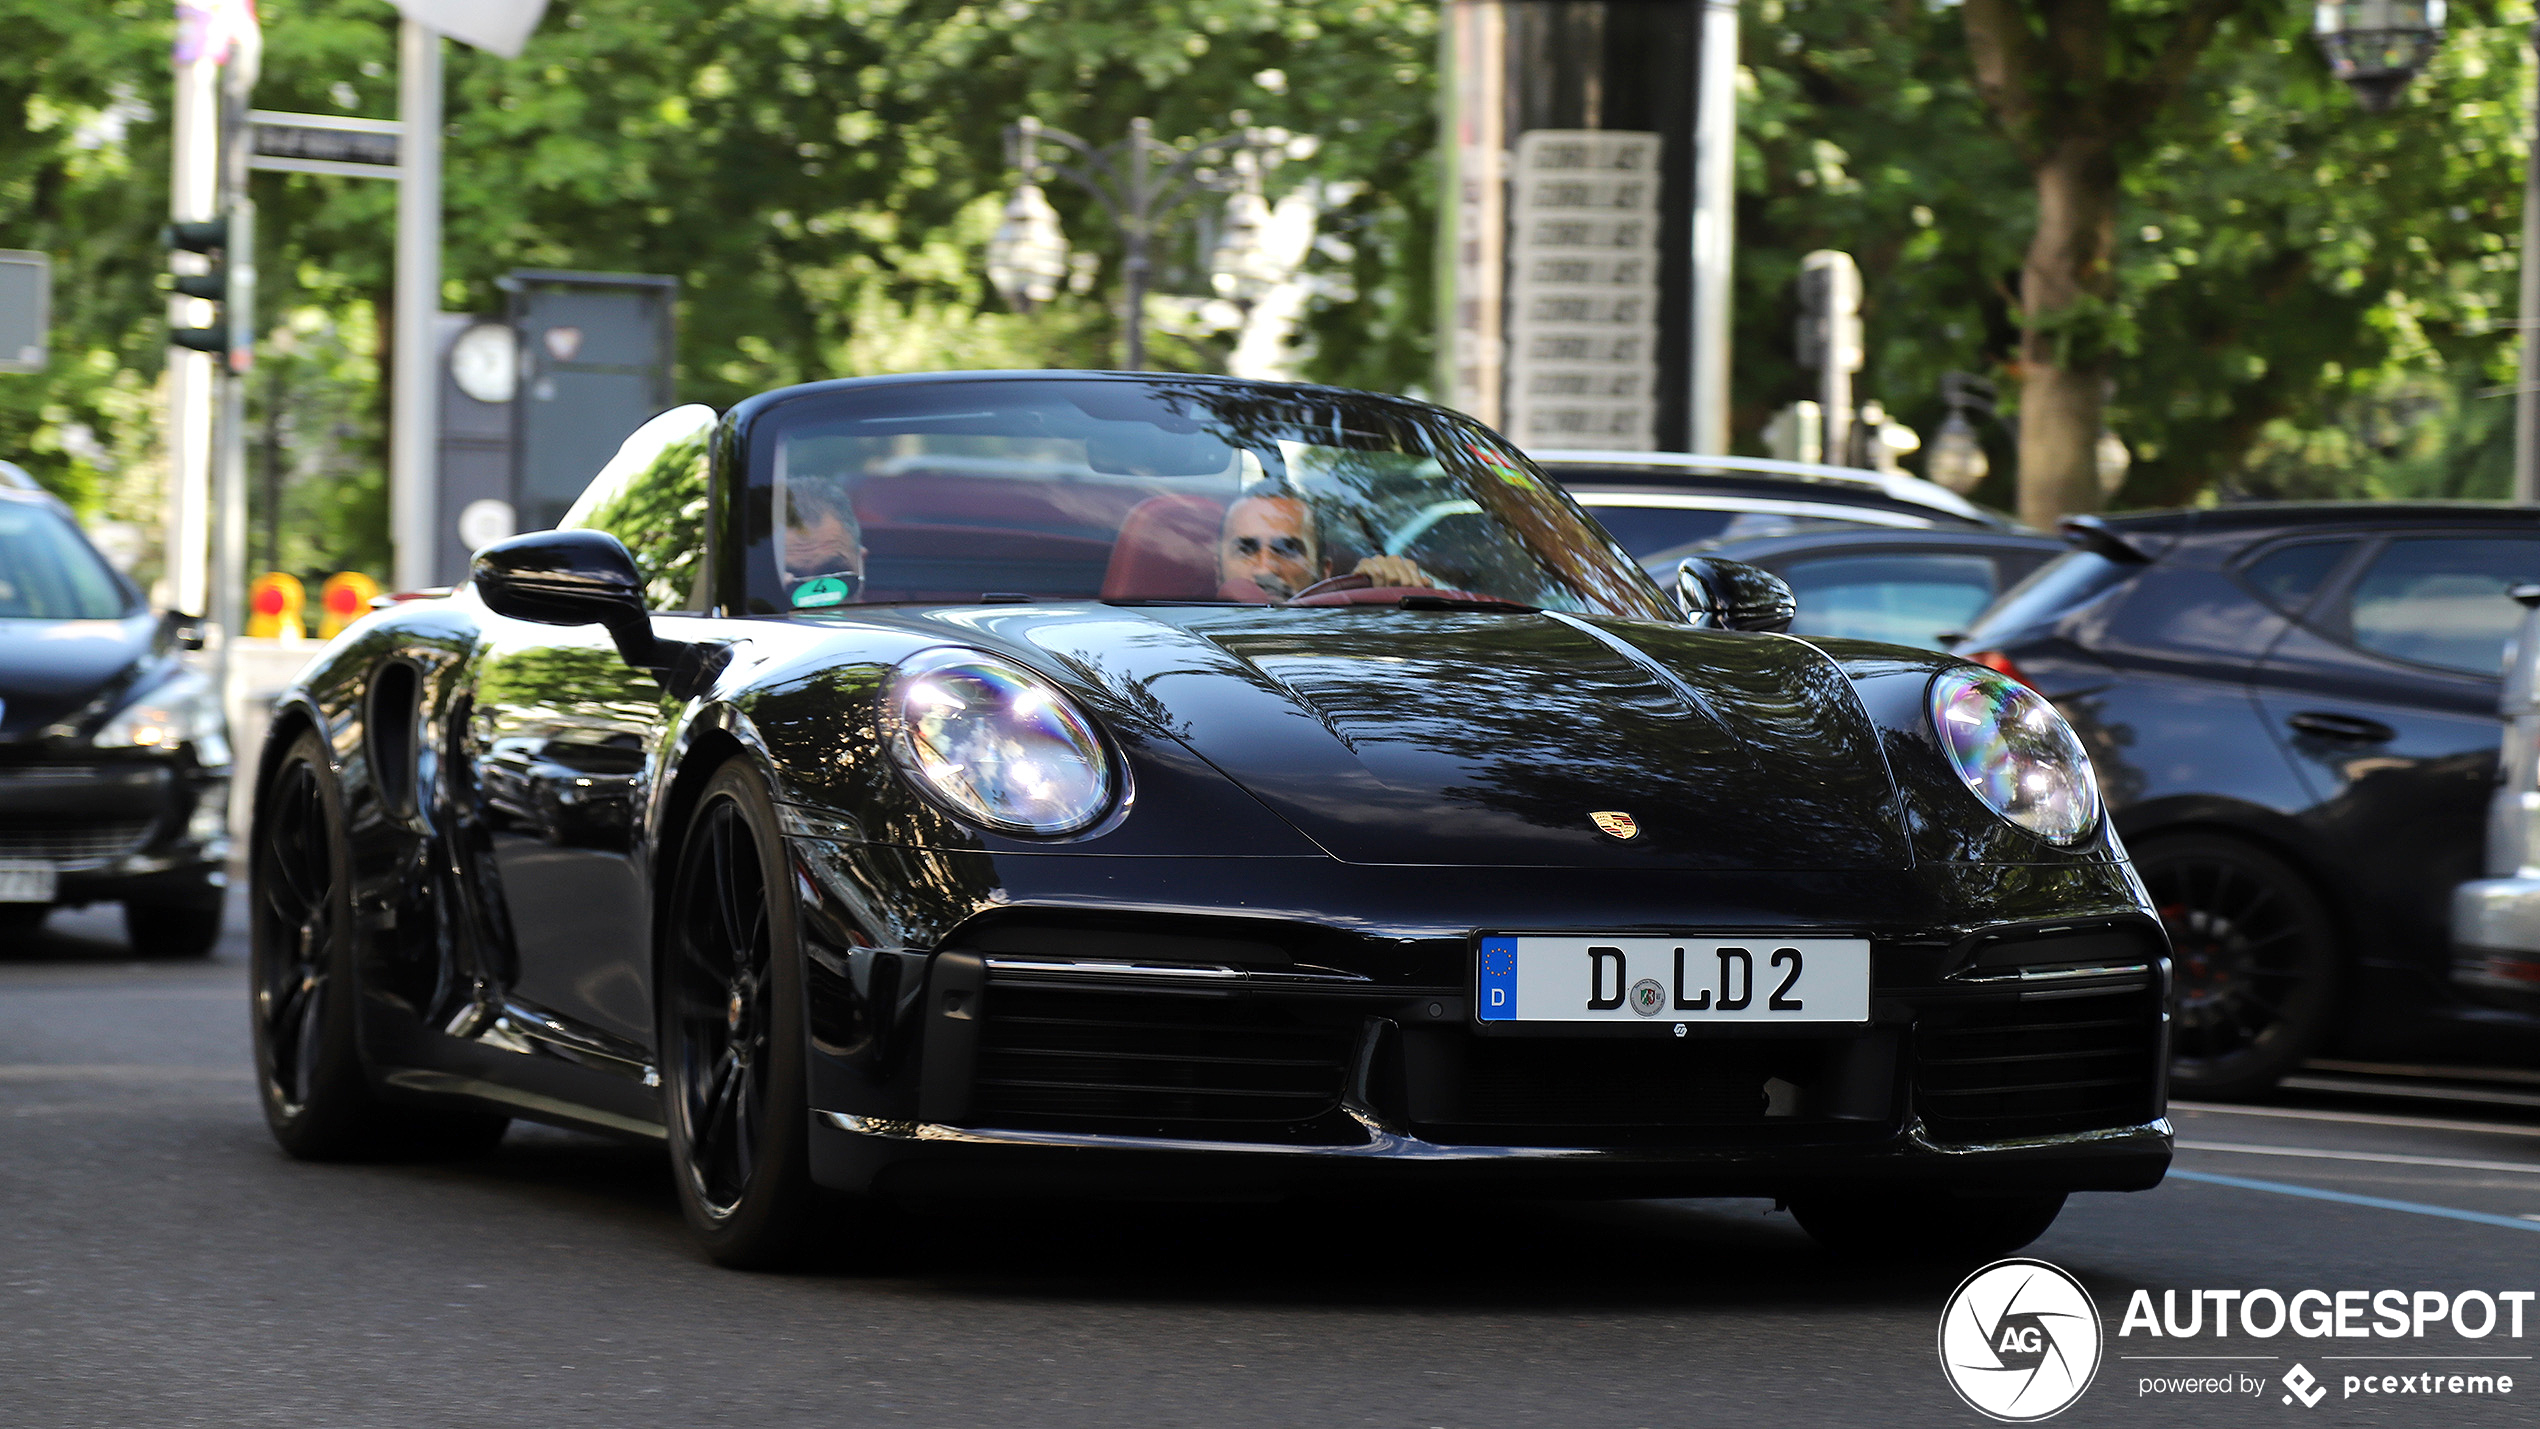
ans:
(336, 1120)
(2309, 1021)
(768, 1226)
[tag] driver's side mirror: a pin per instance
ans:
(1716, 594)
(568, 578)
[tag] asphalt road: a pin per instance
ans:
(161, 1263)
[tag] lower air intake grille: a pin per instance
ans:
(1513, 1082)
(71, 840)
(1151, 1064)
(2002, 1068)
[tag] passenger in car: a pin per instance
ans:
(823, 539)
(1269, 550)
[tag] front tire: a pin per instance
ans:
(2254, 962)
(734, 1082)
(309, 1070)
(1928, 1226)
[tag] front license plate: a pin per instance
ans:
(1720, 978)
(25, 881)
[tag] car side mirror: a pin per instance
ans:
(1716, 594)
(568, 578)
(184, 631)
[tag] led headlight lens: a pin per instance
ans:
(183, 709)
(997, 744)
(2016, 753)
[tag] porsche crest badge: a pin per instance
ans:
(1616, 823)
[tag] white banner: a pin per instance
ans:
(501, 26)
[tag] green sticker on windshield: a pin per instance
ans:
(828, 590)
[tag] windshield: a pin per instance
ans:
(48, 571)
(1163, 490)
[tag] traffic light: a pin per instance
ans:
(229, 241)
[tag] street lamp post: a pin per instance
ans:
(1138, 181)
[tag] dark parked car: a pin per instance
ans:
(1182, 784)
(1881, 583)
(114, 756)
(1663, 501)
(2293, 709)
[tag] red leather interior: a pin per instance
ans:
(1167, 550)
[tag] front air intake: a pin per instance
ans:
(2001, 1068)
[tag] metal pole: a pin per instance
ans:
(414, 399)
(1714, 226)
(229, 470)
(2527, 388)
(1134, 264)
(193, 195)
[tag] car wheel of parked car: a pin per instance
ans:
(734, 1089)
(172, 930)
(1926, 1226)
(309, 1071)
(2254, 962)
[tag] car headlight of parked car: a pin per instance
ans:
(997, 744)
(183, 709)
(2016, 753)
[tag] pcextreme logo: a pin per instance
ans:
(2019, 1340)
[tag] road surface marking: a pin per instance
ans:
(2361, 1118)
(2388, 1157)
(2312, 1193)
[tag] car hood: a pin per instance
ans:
(52, 669)
(1443, 737)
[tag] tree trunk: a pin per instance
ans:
(2067, 298)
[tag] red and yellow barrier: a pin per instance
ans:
(273, 607)
(345, 598)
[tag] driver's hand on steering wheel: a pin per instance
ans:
(1394, 571)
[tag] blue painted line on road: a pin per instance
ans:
(2348, 1198)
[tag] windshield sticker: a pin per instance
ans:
(827, 590)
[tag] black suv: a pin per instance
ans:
(114, 756)
(2294, 713)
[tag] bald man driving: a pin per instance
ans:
(1269, 550)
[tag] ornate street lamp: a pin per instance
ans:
(2377, 46)
(1138, 181)
(1028, 257)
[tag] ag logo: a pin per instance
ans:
(2019, 1340)
(1615, 823)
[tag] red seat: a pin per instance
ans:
(1167, 550)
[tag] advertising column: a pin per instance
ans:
(1568, 302)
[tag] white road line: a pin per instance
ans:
(2360, 1118)
(93, 1072)
(2386, 1157)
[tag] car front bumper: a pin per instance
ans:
(2496, 943)
(144, 827)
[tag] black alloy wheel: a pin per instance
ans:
(2254, 962)
(309, 1072)
(734, 1090)
(1926, 1226)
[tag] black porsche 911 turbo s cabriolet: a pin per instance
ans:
(1088, 783)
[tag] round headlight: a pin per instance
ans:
(2016, 753)
(997, 744)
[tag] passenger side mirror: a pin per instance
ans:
(1714, 594)
(568, 578)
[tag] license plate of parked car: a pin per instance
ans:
(1722, 978)
(25, 881)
